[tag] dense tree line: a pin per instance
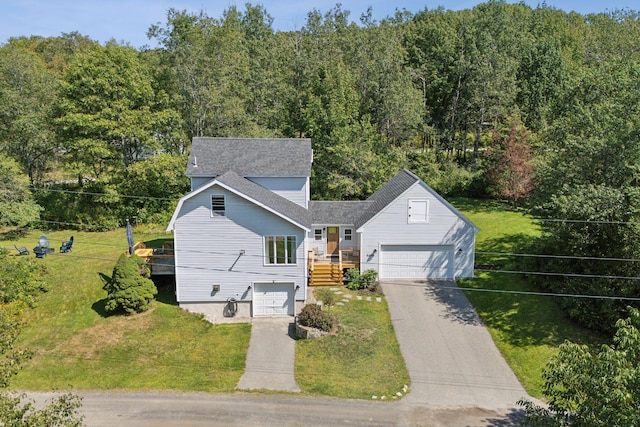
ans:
(536, 106)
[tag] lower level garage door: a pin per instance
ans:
(273, 299)
(416, 262)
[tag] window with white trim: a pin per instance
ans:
(348, 233)
(418, 211)
(217, 205)
(317, 234)
(280, 250)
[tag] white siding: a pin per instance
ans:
(207, 249)
(444, 227)
(294, 189)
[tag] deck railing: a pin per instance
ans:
(351, 256)
(310, 260)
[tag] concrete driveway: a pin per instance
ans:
(451, 358)
(271, 356)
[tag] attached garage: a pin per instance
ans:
(273, 299)
(416, 262)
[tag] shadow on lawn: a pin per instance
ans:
(506, 244)
(156, 243)
(100, 308)
(522, 319)
(166, 289)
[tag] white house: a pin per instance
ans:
(248, 241)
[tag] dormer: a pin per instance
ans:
(282, 165)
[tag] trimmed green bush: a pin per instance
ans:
(312, 316)
(129, 290)
(357, 282)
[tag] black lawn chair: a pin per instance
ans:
(41, 251)
(21, 250)
(66, 245)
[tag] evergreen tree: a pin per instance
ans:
(129, 289)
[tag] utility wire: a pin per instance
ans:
(577, 221)
(589, 258)
(225, 256)
(535, 293)
(512, 254)
(502, 291)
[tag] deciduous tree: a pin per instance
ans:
(590, 388)
(17, 207)
(509, 169)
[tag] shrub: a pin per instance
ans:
(367, 280)
(129, 289)
(326, 296)
(312, 316)
(21, 279)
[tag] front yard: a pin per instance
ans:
(361, 360)
(78, 346)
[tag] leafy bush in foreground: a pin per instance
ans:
(591, 387)
(21, 279)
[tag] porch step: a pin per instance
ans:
(325, 275)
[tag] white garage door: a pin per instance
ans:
(416, 262)
(273, 299)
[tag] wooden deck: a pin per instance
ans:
(328, 270)
(161, 261)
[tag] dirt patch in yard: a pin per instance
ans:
(106, 333)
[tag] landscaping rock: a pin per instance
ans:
(307, 333)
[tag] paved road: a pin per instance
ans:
(451, 358)
(128, 409)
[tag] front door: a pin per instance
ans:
(333, 240)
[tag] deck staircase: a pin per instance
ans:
(325, 275)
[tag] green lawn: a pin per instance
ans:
(362, 360)
(526, 328)
(77, 345)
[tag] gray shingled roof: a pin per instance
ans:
(266, 197)
(346, 212)
(263, 157)
(387, 194)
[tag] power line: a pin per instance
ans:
(578, 275)
(225, 256)
(502, 291)
(90, 193)
(589, 258)
(577, 221)
(535, 293)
